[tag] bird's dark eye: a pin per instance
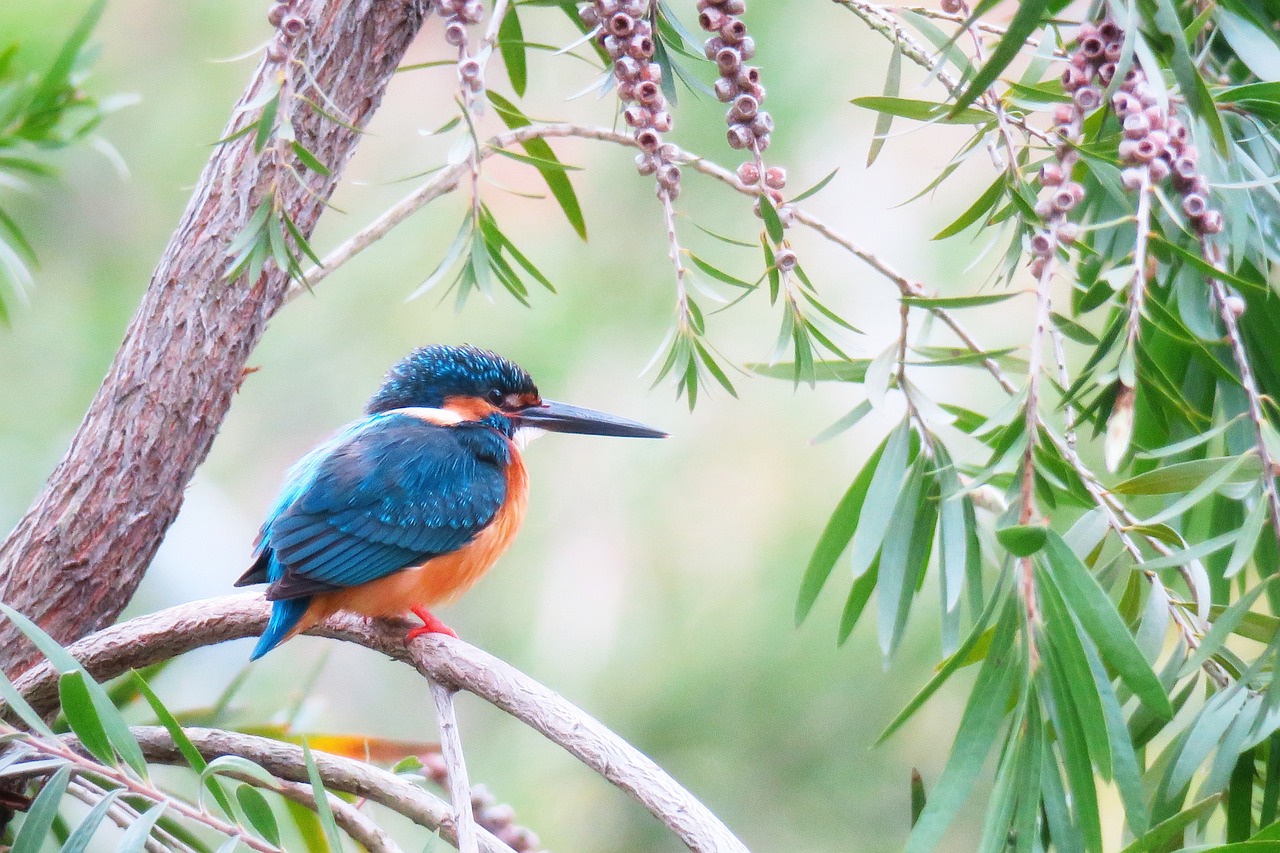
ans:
(496, 396)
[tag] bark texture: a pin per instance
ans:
(74, 560)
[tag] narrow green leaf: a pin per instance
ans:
(77, 704)
(985, 202)
(184, 744)
(933, 302)
(1196, 552)
(1160, 835)
(882, 495)
(714, 368)
(952, 530)
(266, 123)
(556, 180)
(309, 160)
(39, 819)
(899, 570)
(1125, 767)
(78, 841)
(851, 370)
(512, 46)
(1103, 624)
(809, 193)
(1022, 540)
(1026, 20)
(719, 274)
(1247, 540)
(1186, 476)
(1060, 631)
(1222, 628)
(57, 78)
(1204, 734)
(892, 86)
(979, 726)
(538, 162)
(1186, 72)
(11, 697)
(258, 812)
(1073, 750)
(772, 224)
(844, 422)
(323, 808)
(859, 594)
(922, 110)
(135, 837)
(53, 651)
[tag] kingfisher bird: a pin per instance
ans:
(407, 507)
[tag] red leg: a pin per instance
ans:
(430, 625)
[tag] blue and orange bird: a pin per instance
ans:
(407, 507)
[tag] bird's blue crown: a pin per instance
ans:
(428, 376)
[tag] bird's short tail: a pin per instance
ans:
(284, 618)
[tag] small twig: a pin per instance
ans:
(1138, 286)
(879, 19)
(451, 750)
(123, 815)
(673, 251)
(122, 780)
(1248, 383)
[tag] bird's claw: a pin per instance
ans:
(430, 625)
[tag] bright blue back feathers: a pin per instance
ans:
(389, 492)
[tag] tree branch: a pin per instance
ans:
(159, 636)
(286, 761)
(75, 559)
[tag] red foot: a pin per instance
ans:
(430, 625)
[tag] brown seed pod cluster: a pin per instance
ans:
(1155, 146)
(1092, 67)
(289, 28)
(458, 15)
(626, 34)
(731, 47)
(498, 818)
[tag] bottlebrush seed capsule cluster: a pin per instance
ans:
(626, 34)
(458, 14)
(498, 818)
(731, 47)
(289, 27)
(1154, 147)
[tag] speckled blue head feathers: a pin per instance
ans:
(428, 376)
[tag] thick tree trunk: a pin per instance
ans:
(75, 559)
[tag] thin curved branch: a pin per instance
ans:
(286, 761)
(172, 632)
(451, 750)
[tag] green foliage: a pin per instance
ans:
(39, 114)
(96, 759)
(1117, 597)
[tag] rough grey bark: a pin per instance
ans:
(74, 560)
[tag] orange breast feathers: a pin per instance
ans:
(441, 579)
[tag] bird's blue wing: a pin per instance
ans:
(389, 493)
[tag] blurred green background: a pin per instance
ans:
(654, 583)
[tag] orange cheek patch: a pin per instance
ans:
(470, 408)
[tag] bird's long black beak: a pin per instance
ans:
(561, 417)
